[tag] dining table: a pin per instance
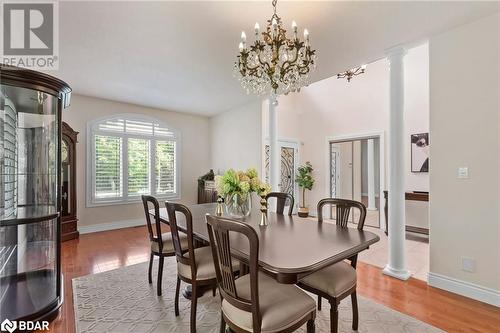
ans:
(290, 247)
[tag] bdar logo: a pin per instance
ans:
(9, 326)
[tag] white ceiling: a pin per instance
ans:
(179, 56)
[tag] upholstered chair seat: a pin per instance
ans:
(333, 280)
(168, 245)
(281, 305)
(254, 302)
(337, 281)
(205, 268)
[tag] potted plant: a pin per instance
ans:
(236, 187)
(305, 181)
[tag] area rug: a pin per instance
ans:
(122, 301)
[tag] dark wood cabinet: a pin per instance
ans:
(411, 196)
(69, 227)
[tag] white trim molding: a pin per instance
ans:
(87, 229)
(467, 289)
(402, 274)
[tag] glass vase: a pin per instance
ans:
(238, 205)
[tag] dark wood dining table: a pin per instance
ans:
(290, 247)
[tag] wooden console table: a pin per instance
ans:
(410, 196)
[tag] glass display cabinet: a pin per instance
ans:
(30, 195)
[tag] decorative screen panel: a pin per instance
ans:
(287, 169)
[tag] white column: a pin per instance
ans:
(371, 175)
(396, 266)
(274, 153)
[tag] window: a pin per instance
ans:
(131, 155)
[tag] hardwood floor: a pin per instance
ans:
(103, 251)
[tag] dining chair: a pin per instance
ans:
(282, 198)
(195, 265)
(161, 243)
(337, 281)
(254, 302)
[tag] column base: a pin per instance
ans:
(401, 274)
(371, 208)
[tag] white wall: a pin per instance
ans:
(333, 107)
(236, 138)
(195, 156)
(465, 126)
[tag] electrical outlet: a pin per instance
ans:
(468, 264)
(463, 173)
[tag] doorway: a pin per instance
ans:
(288, 167)
(355, 174)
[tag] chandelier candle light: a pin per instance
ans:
(350, 73)
(274, 63)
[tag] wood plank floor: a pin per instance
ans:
(103, 251)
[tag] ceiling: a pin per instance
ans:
(179, 56)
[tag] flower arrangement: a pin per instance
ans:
(236, 188)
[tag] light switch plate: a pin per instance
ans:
(468, 264)
(463, 172)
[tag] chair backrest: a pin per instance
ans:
(153, 230)
(282, 199)
(218, 231)
(180, 253)
(343, 209)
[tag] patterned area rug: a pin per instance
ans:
(122, 300)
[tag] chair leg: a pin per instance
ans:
(176, 301)
(311, 328)
(222, 324)
(319, 303)
(150, 269)
(334, 317)
(194, 301)
(355, 315)
(214, 291)
(160, 276)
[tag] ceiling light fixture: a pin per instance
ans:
(274, 63)
(350, 73)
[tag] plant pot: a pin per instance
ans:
(303, 212)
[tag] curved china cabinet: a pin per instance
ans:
(30, 197)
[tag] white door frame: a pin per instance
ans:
(378, 134)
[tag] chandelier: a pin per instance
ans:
(274, 63)
(350, 73)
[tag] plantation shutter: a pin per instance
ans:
(138, 166)
(165, 167)
(8, 167)
(133, 155)
(108, 167)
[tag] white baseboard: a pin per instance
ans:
(366, 194)
(87, 229)
(467, 289)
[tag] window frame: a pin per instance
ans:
(92, 131)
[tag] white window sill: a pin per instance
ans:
(161, 199)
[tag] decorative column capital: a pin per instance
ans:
(396, 53)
